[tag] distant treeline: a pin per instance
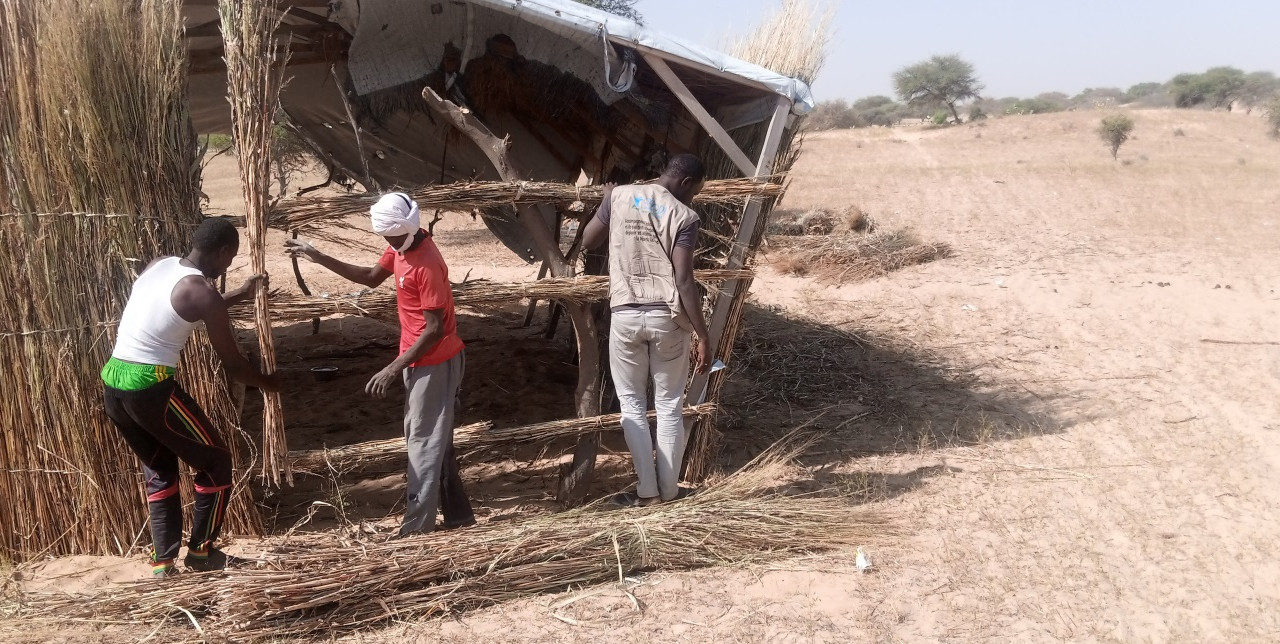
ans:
(1220, 87)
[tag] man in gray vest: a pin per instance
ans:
(652, 233)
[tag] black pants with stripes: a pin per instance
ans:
(163, 425)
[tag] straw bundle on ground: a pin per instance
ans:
(79, 78)
(466, 438)
(381, 303)
(314, 585)
(844, 258)
(304, 214)
(253, 89)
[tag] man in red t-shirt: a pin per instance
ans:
(431, 357)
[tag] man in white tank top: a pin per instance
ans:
(157, 419)
(652, 234)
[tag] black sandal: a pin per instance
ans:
(632, 500)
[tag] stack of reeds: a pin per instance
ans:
(318, 585)
(381, 304)
(792, 41)
(849, 257)
(307, 215)
(254, 78)
(79, 78)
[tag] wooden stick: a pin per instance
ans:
(253, 89)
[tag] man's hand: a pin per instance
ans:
(381, 382)
(297, 248)
(704, 356)
(251, 285)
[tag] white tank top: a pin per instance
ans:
(151, 332)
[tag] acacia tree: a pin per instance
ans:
(624, 8)
(941, 81)
(1115, 130)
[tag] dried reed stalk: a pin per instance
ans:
(322, 585)
(79, 78)
(845, 258)
(307, 214)
(254, 80)
(465, 438)
(381, 304)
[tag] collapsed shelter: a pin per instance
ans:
(495, 105)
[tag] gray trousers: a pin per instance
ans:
(430, 408)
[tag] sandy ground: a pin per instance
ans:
(1075, 420)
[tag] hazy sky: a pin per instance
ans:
(1020, 48)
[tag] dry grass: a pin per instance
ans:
(791, 41)
(820, 221)
(848, 257)
(325, 584)
(80, 78)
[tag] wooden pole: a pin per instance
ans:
(253, 90)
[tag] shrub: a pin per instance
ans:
(1034, 106)
(217, 142)
(940, 117)
(1179, 132)
(1115, 130)
(976, 114)
(1273, 117)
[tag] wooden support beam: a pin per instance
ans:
(465, 439)
(700, 113)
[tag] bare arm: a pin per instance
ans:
(246, 291)
(370, 276)
(596, 232)
(432, 333)
(691, 301)
(194, 299)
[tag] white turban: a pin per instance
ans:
(396, 214)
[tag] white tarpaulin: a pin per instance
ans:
(400, 41)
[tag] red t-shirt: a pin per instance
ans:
(422, 284)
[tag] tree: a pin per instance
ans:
(1115, 130)
(1142, 90)
(1223, 85)
(1273, 117)
(624, 8)
(941, 81)
(1258, 88)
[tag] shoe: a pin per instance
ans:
(456, 524)
(633, 500)
(162, 567)
(211, 560)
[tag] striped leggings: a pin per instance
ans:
(162, 424)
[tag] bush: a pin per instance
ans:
(1115, 130)
(831, 115)
(217, 142)
(940, 117)
(1273, 117)
(1143, 90)
(1034, 106)
(976, 114)
(1179, 132)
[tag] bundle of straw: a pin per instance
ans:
(306, 214)
(466, 438)
(253, 88)
(79, 78)
(845, 258)
(381, 304)
(320, 585)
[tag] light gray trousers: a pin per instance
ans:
(644, 345)
(429, 411)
